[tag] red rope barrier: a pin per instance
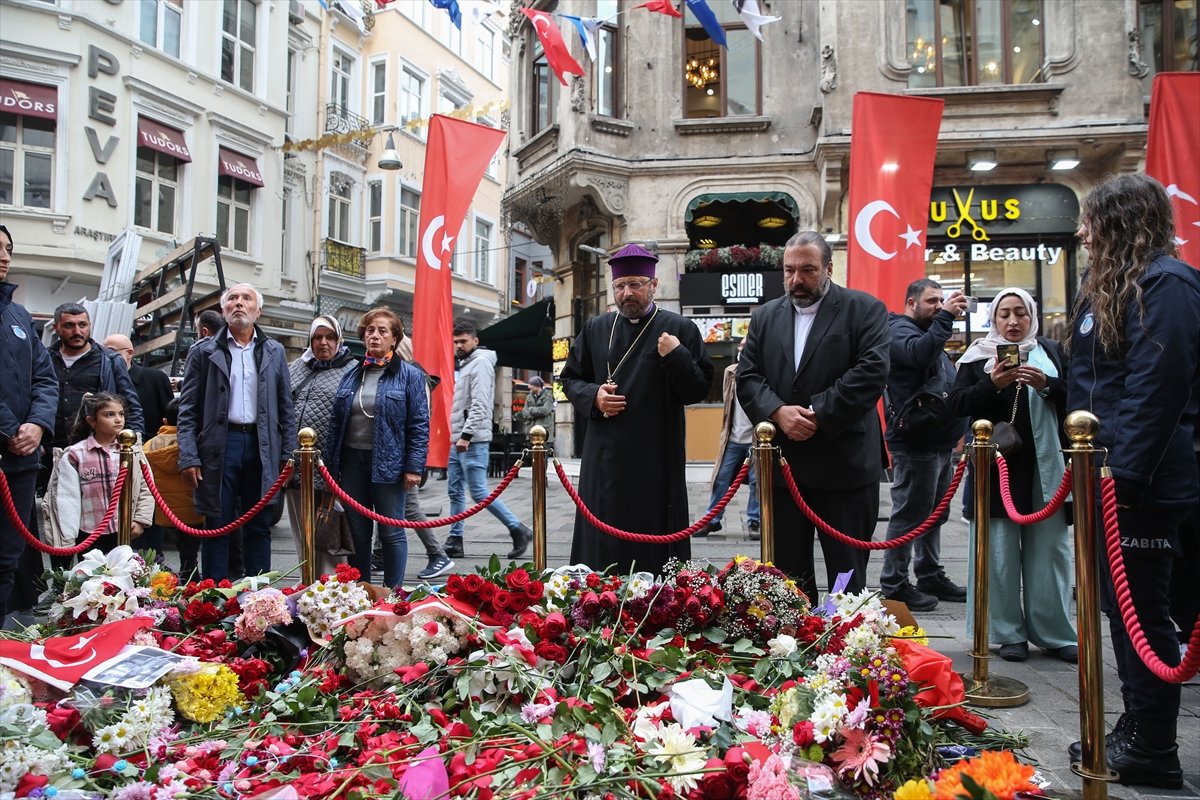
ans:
(11, 507)
(826, 528)
(1056, 502)
(1190, 664)
(204, 533)
(651, 538)
(331, 484)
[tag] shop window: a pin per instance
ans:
(608, 60)
(1170, 35)
(238, 42)
(156, 186)
(26, 160)
(234, 205)
(410, 218)
(159, 24)
(974, 42)
(720, 81)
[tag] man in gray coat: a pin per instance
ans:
(236, 428)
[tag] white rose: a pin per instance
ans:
(782, 645)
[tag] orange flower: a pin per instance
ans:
(163, 585)
(998, 772)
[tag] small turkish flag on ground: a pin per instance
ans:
(1173, 153)
(61, 661)
(559, 58)
(893, 141)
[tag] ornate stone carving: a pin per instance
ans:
(613, 191)
(578, 94)
(1137, 67)
(32, 66)
(829, 70)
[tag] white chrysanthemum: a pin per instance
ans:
(13, 689)
(677, 751)
(638, 586)
(864, 637)
(558, 586)
(828, 715)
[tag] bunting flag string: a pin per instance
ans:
(468, 112)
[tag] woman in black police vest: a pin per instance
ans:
(1135, 364)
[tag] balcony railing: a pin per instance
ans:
(345, 259)
(339, 119)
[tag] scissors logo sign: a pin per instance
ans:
(964, 215)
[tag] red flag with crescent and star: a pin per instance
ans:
(557, 55)
(893, 141)
(62, 660)
(456, 157)
(1173, 153)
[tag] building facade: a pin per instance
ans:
(716, 154)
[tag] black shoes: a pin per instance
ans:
(453, 547)
(711, 527)
(912, 597)
(1142, 753)
(522, 537)
(1119, 734)
(755, 533)
(1015, 651)
(1068, 653)
(942, 588)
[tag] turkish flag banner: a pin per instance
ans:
(456, 157)
(893, 141)
(62, 660)
(1173, 153)
(557, 55)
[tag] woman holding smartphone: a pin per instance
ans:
(1012, 374)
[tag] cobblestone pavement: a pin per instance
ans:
(1051, 718)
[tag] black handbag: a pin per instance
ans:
(332, 534)
(1004, 434)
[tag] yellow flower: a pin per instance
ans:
(205, 695)
(914, 790)
(163, 585)
(914, 633)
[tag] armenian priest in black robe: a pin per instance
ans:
(629, 374)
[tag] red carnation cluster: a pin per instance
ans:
(503, 602)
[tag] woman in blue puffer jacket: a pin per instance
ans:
(379, 441)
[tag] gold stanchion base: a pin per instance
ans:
(1108, 775)
(996, 692)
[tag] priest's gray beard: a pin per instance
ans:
(633, 308)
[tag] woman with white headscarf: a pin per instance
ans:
(315, 376)
(1032, 562)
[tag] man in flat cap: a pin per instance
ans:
(629, 374)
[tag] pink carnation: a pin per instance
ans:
(261, 610)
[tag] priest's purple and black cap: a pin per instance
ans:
(632, 261)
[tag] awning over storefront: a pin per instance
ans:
(725, 219)
(522, 340)
(236, 165)
(164, 139)
(28, 99)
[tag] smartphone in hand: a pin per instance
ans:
(1009, 355)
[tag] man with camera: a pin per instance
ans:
(921, 436)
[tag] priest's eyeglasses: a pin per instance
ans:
(630, 286)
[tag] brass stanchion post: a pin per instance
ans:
(1081, 427)
(127, 440)
(764, 433)
(307, 437)
(983, 689)
(538, 437)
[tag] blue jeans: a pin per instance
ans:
(731, 463)
(382, 498)
(241, 488)
(471, 467)
(921, 479)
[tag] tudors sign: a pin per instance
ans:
(730, 288)
(163, 138)
(28, 99)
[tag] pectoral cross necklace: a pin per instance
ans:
(612, 371)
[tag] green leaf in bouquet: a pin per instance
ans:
(425, 731)
(975, 791)
(657, 680)
(747, 647)
(715, 635)
(347, 739)
(601, 671)
(494, 564)
(664, 636)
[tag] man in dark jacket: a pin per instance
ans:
(236, 428)
(28, 396)
(152, 385)
(923, 462)
(84, 365)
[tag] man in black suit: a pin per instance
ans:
(153, 386)
(815, 364)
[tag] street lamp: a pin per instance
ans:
(390, 159)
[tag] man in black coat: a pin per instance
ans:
(815, 364)
(152, 385)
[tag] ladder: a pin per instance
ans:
(167, 302)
